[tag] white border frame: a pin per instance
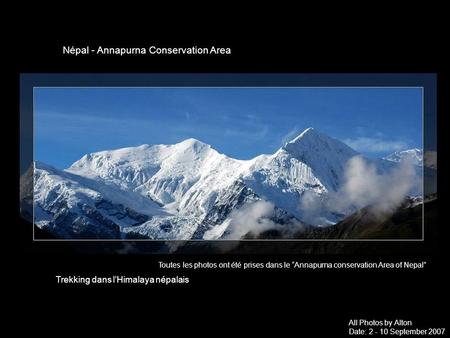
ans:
(241, 240)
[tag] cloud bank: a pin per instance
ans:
(365, 186)
(254, 218)
(375, 145)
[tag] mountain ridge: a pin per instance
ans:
(175, 189)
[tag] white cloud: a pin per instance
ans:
(291, 134)
(364, 186)
(253, 218)
(375, 144)
(312, 208)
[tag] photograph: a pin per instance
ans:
(229, 163)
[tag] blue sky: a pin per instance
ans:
(239, 122)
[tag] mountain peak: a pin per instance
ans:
(191, 142)
(307, 133)
(311, 140)
(322, 153)
(415, 155)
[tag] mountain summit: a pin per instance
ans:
(415, 155)
(324, 155)
(311, 140)
(307, 133)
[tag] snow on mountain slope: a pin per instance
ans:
(75, 206)
(75, 188)
(187, 189)
(187, 177)
(325, 156)
(310, 162)
(184, 177)
(415, 155)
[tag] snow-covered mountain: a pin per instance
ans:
(310, 162)
(74, 206)
(414, 155)
(186, 190)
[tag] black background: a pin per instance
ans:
(318, 302)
